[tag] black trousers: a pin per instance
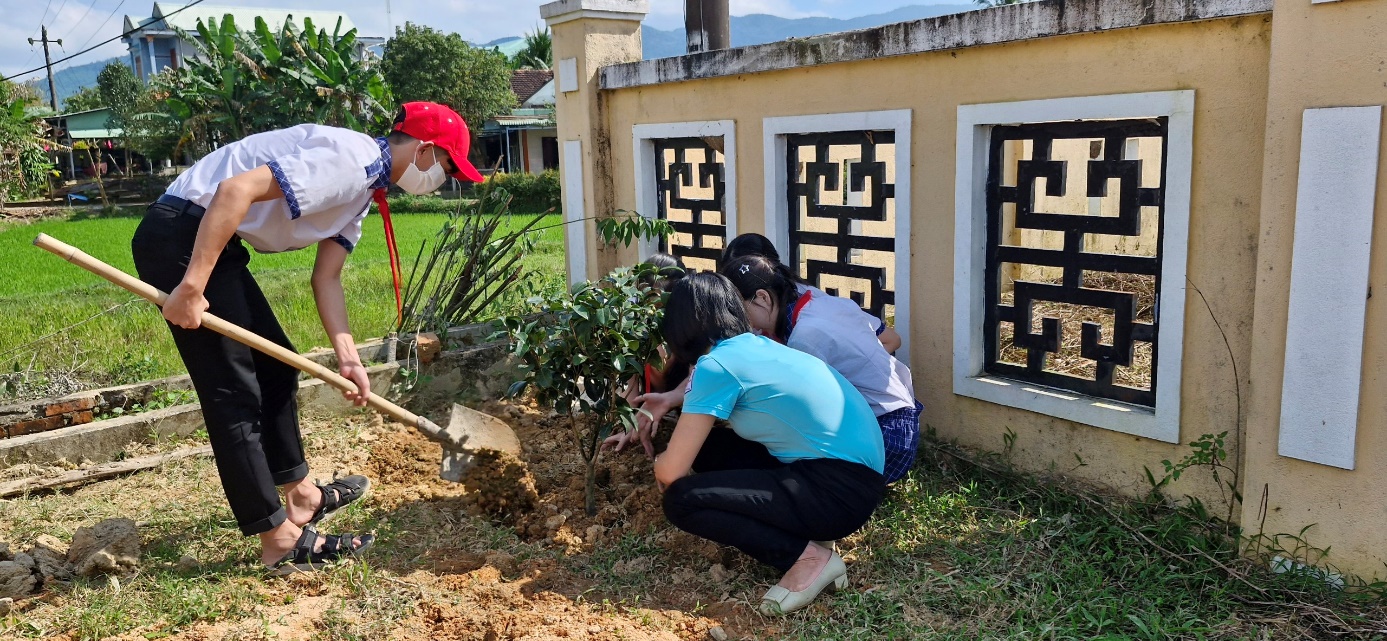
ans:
(249, 400)
(742, 496)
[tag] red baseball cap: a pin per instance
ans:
(440, 125)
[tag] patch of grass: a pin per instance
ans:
(961, 549)
(40, 295)
(962, 552)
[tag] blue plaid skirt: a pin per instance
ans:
(900, 430)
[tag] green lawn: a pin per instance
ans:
(40, 294)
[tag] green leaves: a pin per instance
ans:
(538, 52)
(424, 64)
(628, 226)
(472, 265)
(579, 349)
(242, 83)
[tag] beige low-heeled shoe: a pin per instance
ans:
(779, 600)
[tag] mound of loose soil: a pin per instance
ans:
(501, 484)
(542, 496)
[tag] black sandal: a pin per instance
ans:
(339, 494)
(336, 547)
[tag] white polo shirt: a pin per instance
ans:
(327, 175)
(839, 333)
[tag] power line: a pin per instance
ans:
(104, 42)
(88, 11)
(43, 17)
(60, 9)
(103, 24)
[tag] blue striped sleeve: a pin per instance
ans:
(285, 187)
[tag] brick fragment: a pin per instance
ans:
(37, 425)
(70, 406)
(81, 418)
(428, 346)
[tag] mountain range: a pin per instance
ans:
(70, 80)
(658, 43)
(758, 29)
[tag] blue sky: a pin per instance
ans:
(90, 21)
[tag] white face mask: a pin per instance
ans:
(419, 182)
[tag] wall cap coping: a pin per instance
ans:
(1007, 23)
(568, 10)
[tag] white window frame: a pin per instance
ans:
(643, 139)
(774, 132)
(975, 123)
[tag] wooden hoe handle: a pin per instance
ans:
(235, 332)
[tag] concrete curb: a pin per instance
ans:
(469, 375)
(104, 441)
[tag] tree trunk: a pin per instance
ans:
(591, 494)
(100, 183)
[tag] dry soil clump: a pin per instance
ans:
(110, 547)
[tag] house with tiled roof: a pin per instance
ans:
(526, 139)
(154, 44)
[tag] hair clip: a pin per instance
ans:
(745, 268)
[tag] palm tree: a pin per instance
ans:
(538, 52)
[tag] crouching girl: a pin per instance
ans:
(840, 334)
(802, 461)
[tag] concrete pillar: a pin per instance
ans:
(150, 68)
(588, 35)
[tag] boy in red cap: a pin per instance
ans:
(282, 191)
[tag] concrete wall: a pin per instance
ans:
(1322, 56)
(1253, 69)
(1229, 84)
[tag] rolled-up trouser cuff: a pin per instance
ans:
(297, 473)
(264, 525)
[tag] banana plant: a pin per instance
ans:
(351, 93)
(245, 82)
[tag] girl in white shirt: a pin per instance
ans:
(840, 334)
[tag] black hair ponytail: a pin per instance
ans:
(752, 272)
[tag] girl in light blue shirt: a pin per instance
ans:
(801, 463)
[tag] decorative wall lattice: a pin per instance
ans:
(691, 189)
(1074, 220)
(841, 192)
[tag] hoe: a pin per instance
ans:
(468, 431)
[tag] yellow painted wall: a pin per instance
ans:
(1324, 55)
(1224, 61)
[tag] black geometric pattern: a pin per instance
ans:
(1107, 352)
(682, 163)
(865, 173)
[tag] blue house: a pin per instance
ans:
(155, 46)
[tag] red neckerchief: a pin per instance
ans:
(379, 196)
(794, 314)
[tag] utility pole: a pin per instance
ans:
(48, 62)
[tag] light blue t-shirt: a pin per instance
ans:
(789, 401)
